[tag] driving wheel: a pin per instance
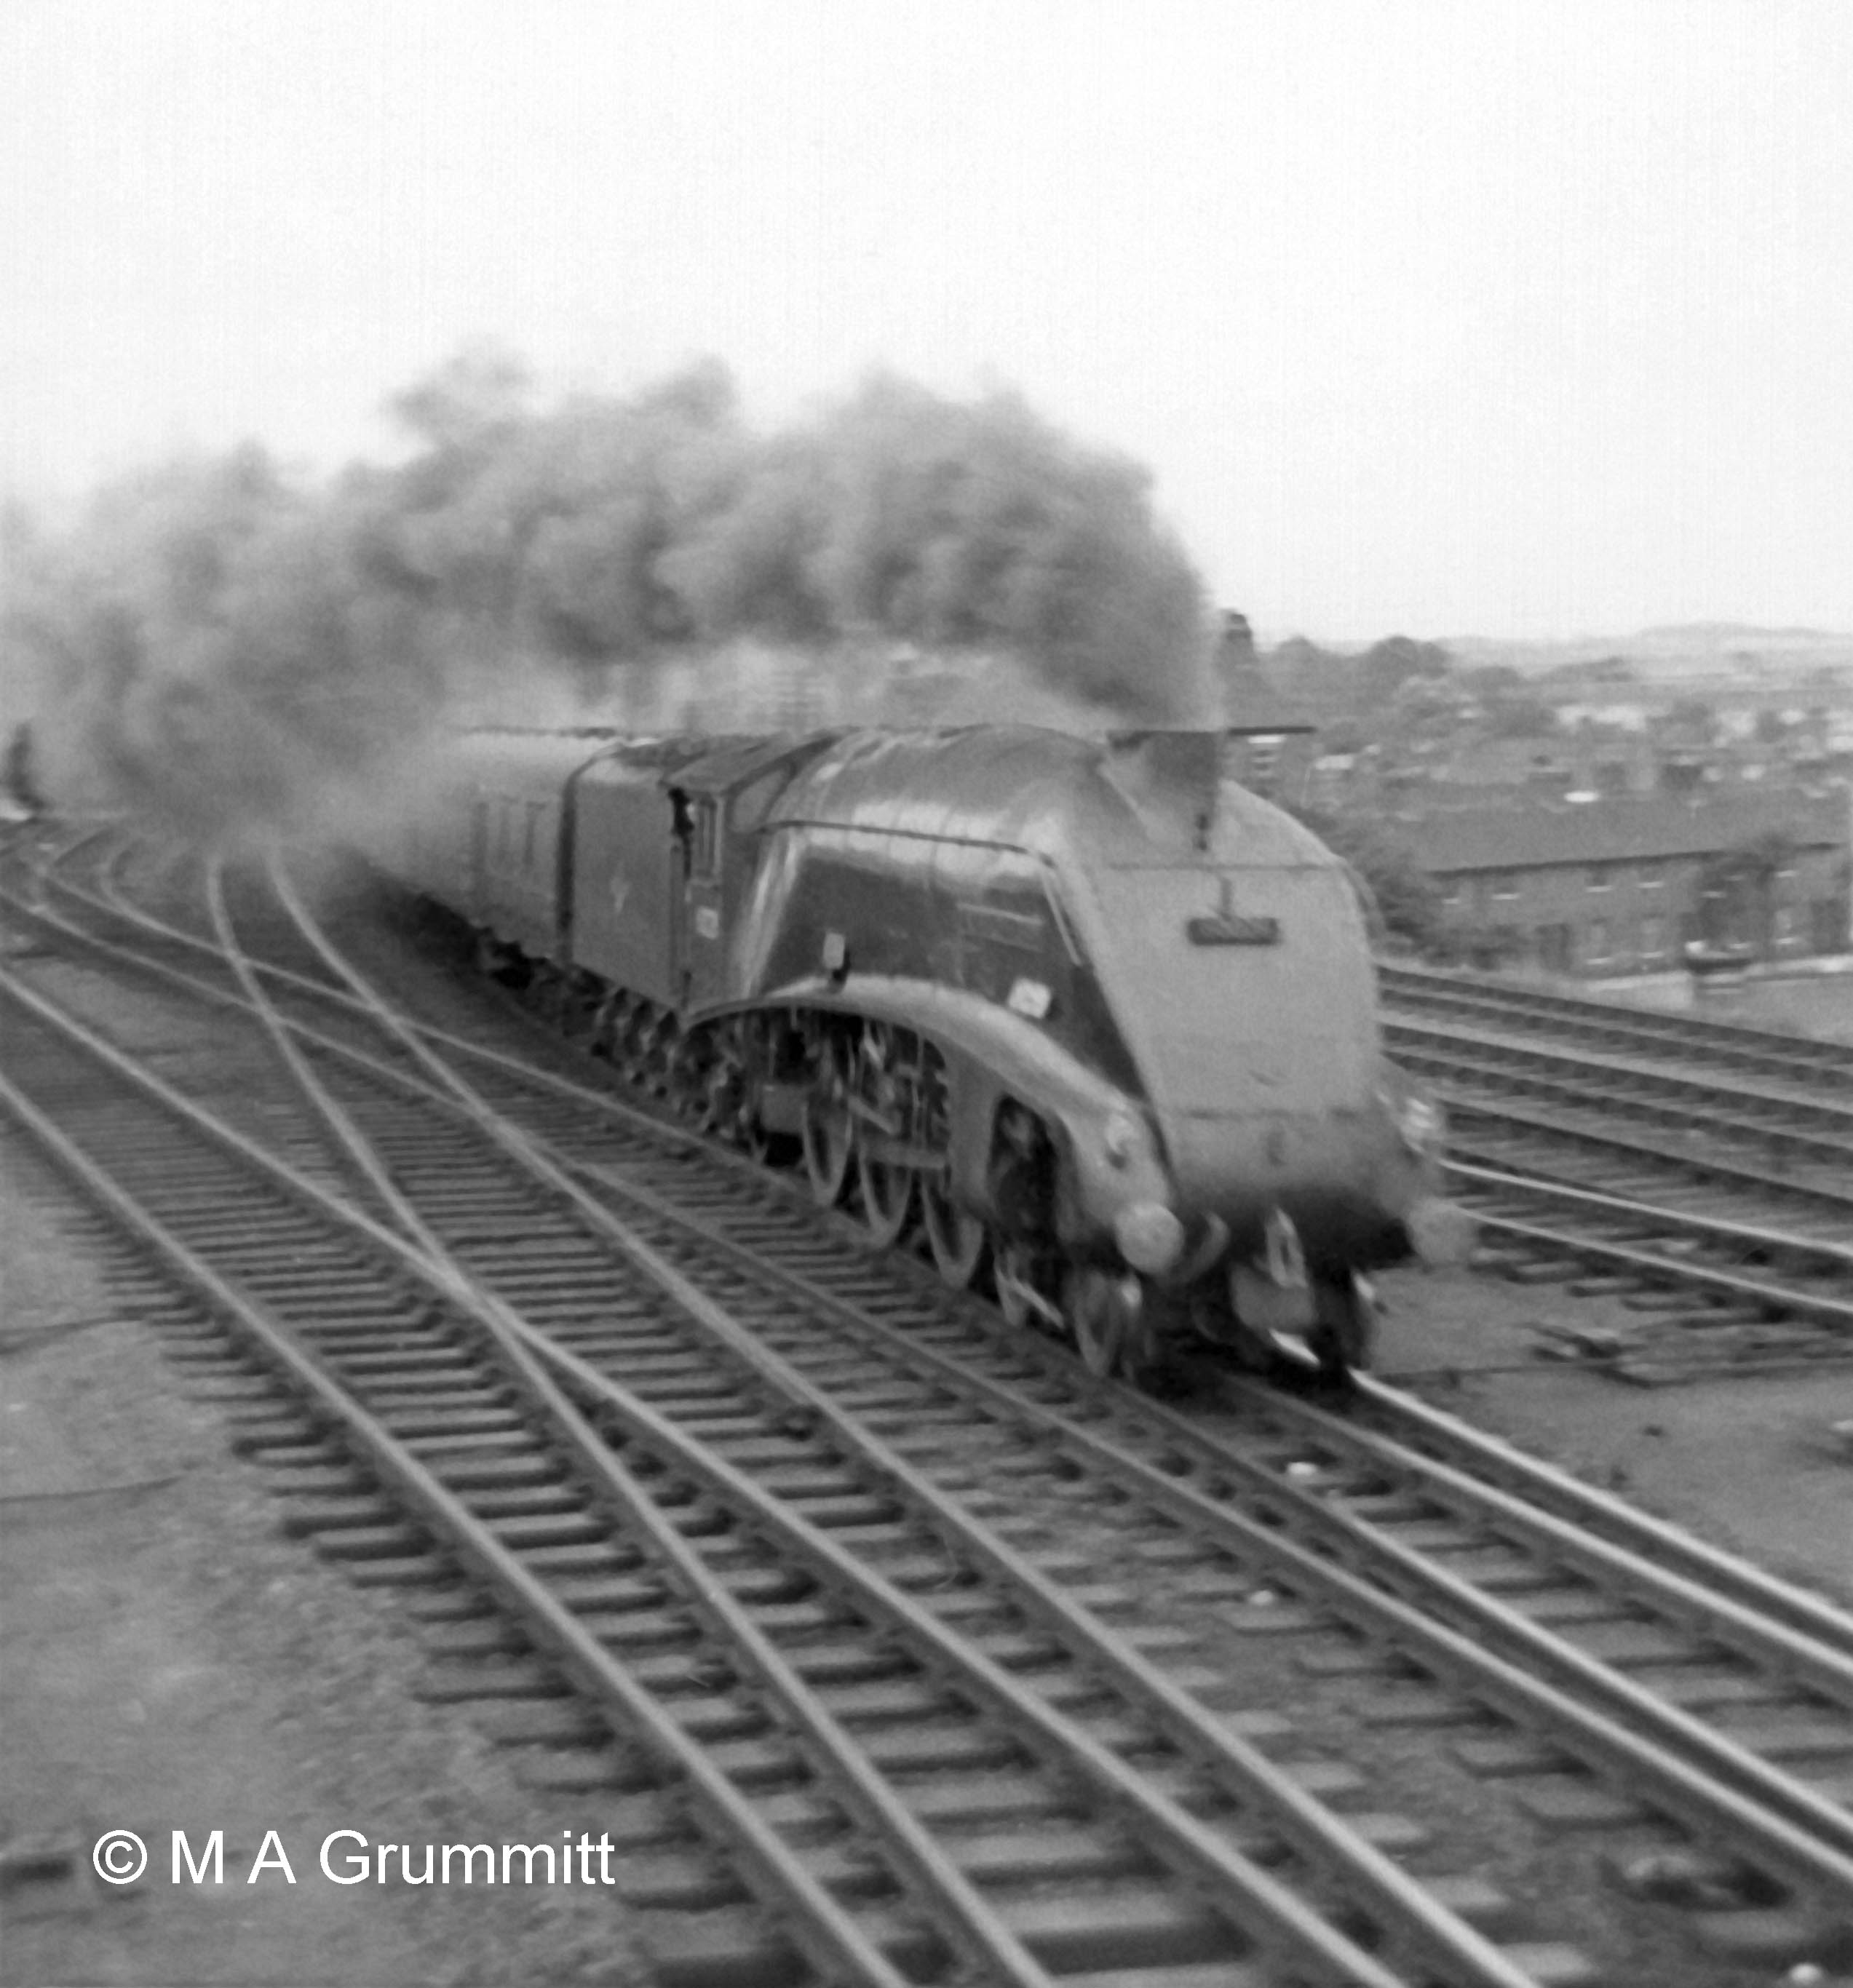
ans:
(956, 1238)
(887, 1195)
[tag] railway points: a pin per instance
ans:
(986, 1397)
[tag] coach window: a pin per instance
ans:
(1653, 876)
(1595, 944)
(1601, 876)
(1653, 938)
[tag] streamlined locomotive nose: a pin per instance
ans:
(1256, 1039)
(1326, 1170)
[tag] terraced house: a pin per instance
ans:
(1625, 885)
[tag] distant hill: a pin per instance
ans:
(1698, 648)
(1734, 632)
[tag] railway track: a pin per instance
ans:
(1682, 1040)
(1701, 1173)
(1720, 1263)
(1810, 1132)
(1706, 1290)
(915, 1490)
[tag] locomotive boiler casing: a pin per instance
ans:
(1172, 972)
(1167, 977)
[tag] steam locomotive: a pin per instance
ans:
(1084, 1020)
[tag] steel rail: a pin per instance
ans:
(1823, 1666)
(1310, 1934)
(1785, 1830)
(664, 1131)
(1829, 1125)
(1656, 1539)
(1813, 1659)
(1275, 1490)
(1818, 1621)
(831, 1937)
(1243, 1767)
(1672, 1161)
(353, 1149)
(1420, 1569)
(1732, 1286)
(1759, 1237)
(1782, 1795)
(1780, 1598)
(1338, 1851)
(1812, 1652)
(691, 1141)
(1778, 1299)
(982, 1934)
(1829, 1825)
(1709, 1228)
(1802, 1056)
(1486, 1089)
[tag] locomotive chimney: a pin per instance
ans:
(1171, 778)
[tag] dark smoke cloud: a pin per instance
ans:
(210, 650)
(981, 526)
(224, 643)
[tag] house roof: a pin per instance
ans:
(1505, 761)
(1519, 835)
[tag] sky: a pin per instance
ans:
(1523, 319)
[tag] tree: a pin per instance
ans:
(1405, 898)
(1521, 718)
(1386, 666)
(1693, 717)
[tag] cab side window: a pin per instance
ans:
(705, 847)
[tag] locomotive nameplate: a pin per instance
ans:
(1225, 928)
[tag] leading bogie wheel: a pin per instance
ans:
(1011, 1267)
(1102, 1311)
(828, 1148)
(1026, 1288)
(955, 1236)
(1344, 1334)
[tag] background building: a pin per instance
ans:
(1622, 885)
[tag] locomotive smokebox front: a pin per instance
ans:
(1236, 960)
